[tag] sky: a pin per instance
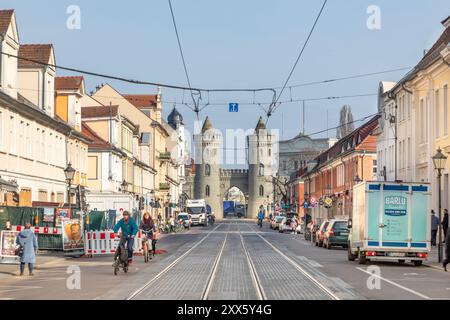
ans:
(240, 44)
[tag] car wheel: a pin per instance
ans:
(350, 255)
(316, 243)
(328, 245)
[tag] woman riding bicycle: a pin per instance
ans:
(148, 229)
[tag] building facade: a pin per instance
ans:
(351, 160)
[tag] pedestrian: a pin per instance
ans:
(434, 227)
(172, 224)
(27, 241)
(445, 223)
(159, 219)
(447, 251)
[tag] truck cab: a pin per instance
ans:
(197, 212)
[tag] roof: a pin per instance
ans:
(359, 139)
(207, 125)
(36, 52)
(68, 83)
(260, 125)
(175, 118)
(437, 47)
(141, 100)
(5, 20)
(99, 111)
(97, 141)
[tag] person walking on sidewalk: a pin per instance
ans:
(434, 227)
(447, 251)
(27, 240)
(445, 223)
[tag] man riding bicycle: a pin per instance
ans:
(129, 229)
(260, 217)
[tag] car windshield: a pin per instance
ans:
(340, 225)
(195, 210)
(279, 219)
(183, 217)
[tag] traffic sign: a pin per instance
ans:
(233, 107)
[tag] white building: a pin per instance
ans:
(33, 142)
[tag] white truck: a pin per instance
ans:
(197, 211)
(390, 222)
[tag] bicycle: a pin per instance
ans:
(121, 257)
(147, 236)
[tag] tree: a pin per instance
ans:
(346, 125)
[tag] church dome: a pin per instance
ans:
(175, 118)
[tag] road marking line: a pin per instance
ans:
(170, 266)
(395, 284)
(213, 271)
(255, 278)
(306, 274)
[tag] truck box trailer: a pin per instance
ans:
(390, 222)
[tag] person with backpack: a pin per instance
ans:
(129, 229)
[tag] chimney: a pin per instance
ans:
(158, 108)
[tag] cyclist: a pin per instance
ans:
(260, 217)
(129, 229)
(148, 228)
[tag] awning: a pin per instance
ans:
(10, 186)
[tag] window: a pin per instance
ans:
(93, 169)
(422, 118)
(261, 191)
(42, 195)
(296, 165)
(207, 191)
(261, 169)
(445, 110)
(436, 113)
(207, 170)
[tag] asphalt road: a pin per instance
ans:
(232, 260)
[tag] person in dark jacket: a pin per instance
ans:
(447, 251)
(129, 229)
(445, 223)
(434, 227)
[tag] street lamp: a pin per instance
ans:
(69, 172)
(439, 160)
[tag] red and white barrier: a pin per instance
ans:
(106, 242)
(39, 230)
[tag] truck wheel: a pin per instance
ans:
(350, 255)
(401, 261)
(361, 258)
(418, 263)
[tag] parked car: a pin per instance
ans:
(320, 233)
(286, 224)
(275, 223)
(186, 219)
(336, 234)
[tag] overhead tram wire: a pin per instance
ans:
(196, 102)
(274, 106)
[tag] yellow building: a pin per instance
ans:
(68, 94)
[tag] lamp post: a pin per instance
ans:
(439, 160)
(69, 172)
